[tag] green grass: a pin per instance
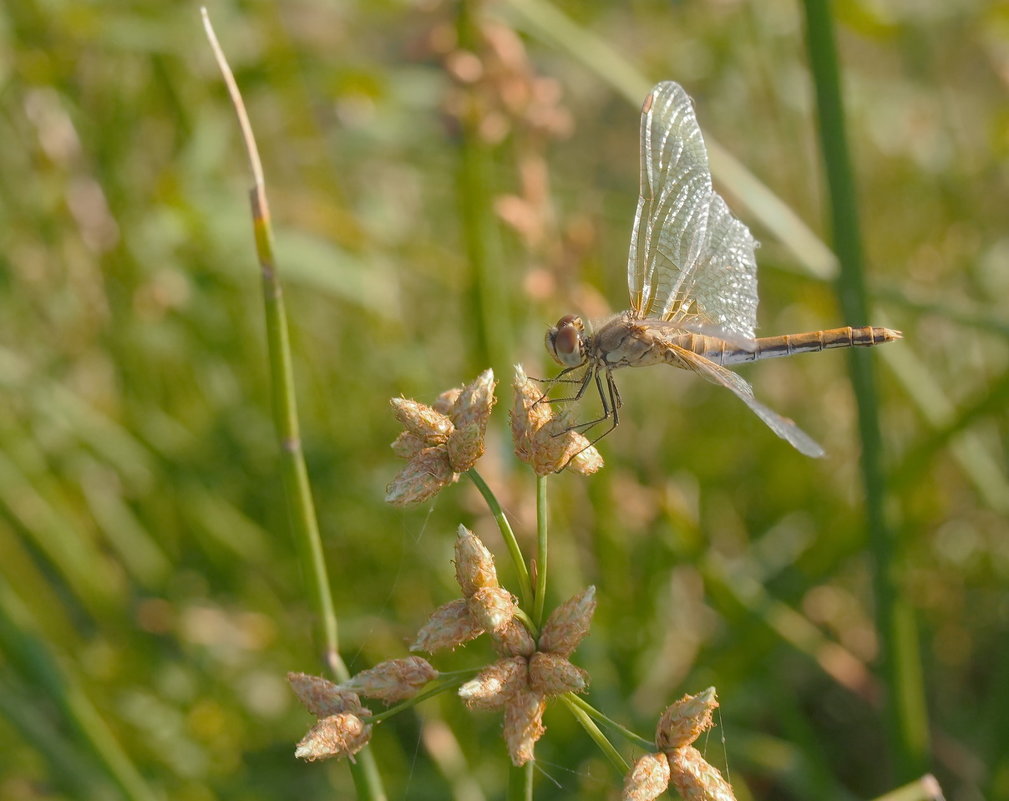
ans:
(152, 598)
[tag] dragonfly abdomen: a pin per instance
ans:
(722, 352)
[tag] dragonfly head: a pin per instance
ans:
(566, 341)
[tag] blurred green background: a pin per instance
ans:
(444, 185)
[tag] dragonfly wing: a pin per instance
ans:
(782, 426)
(689, 255)
(670, 234)
(724, 282)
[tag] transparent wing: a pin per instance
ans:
(782, 426)
(689, 256)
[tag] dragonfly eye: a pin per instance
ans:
(564, 341)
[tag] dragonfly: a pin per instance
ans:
(692, 279)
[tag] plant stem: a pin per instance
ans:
(525, 584)
(594, 732)
(906, 716)
(301, 508)
(541, 550)
(637, 739)
(520, 782)
(437, 689)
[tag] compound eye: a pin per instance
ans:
(566, 342)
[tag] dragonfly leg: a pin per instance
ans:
(610, 400)
(583, 381)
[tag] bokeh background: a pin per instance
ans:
(446, 181)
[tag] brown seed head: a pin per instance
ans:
(696, 780)
(684, 721)
(496, 684)
(424, 476)
(322, 697)
(523, 724)
(648, 779)
(527, 416)
(445, 402)
(393, 680)
(421, 420)
(492, 607)
(568, 623)
(475, 402)
(407, 445)
(466, 444)
(474, 564)
(587, 461)
(343, 734)
(513, 639)
(553, 674)
(450, 625)
(556, 445)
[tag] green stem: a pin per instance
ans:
(525, 584)
(298, 491)
(541, 550)
(906, 716)
(596, 734)
(528, 621)
(520, 782)
(636, 739)
(440, 687)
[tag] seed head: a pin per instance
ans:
(546, 442)
(322, 697)
(475, 401)
(342, 734)
(393, 680)
(527, 416)
(587, 461)
(568, 623)
(523, 725)
(696, 780)
(684, 721)
(495, 684)
(648, 779)
(421, 420)
(446, 401)
(492, 607)
(474, 564)
(466, 444)
(553, 674)
(407, 445)
(513, 639)
(422, 478)
(450, 625)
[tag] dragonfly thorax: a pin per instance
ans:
(565, 341)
